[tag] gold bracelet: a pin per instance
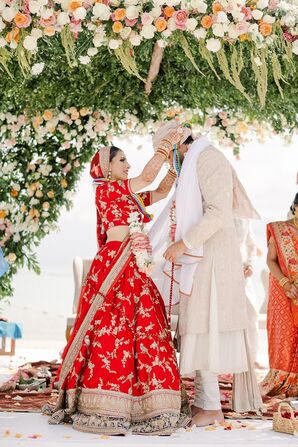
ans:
(162, 152)
(166, 143)
(173, 174)
(284, 280)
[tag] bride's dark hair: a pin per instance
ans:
(113, 152)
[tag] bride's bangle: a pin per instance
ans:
(283, 281)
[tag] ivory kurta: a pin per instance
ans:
(212, 321)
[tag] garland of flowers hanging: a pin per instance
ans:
(263, 33)
(41, 160)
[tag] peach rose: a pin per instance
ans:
(244, 37)
(64, 183)
(117, 27)
(160, 24)
(206, 22)
(265, 29)
(84, 111)
(23, 208)
(37, 121)
(3, 214)
(50, 194)
(47, 115)
(180, 18)
(169, 11)
(74, 4)
(49, 31)
(13, 35)
(22, 20)
(216, 7)
(120, 14)
(14, 193)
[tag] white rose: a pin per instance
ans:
(2, 25)
(199, 5)
(233, 34)
(8, 14)
(30, 43)
(257, 14)
(2, 42)
(92, 51)
(222, 17)
(84, 60)
(238, 16)
(34, 6)
(46, 13)
(36, 32)
(135, 40)
(191, 24)
(98, 40)
(125, 32)
(268, 19)
(173, 2)
(200, 33)
(261, 4)
(218, 30)
(101, 11)
(114, 44)
(148, 31)
(156, 12)
(161, 43)
(253, 29)
(131, 2)
(213, 45)
(36, 69)
(295, 47)
(80, 13)
(63, 18)
(132, 12)
(167, 33)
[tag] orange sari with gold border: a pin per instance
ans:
(282, 379)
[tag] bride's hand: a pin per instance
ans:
(174, 136)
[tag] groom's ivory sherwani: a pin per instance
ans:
(212, 321)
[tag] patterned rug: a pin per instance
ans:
(12, 399)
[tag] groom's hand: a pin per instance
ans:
(175, 251)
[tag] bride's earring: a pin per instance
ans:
(110, 175)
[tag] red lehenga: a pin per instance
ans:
(282, 331)
(119, 372)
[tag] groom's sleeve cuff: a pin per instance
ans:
(187, 243)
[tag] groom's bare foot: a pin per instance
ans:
(207, 417)
(195, 410)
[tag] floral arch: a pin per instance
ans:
(76, 72)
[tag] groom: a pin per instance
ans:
(208, 269)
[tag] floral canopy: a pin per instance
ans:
(77, 72)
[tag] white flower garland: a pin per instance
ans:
(141, 247)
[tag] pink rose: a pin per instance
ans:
(273, 4)
(225, 123)
(130, 22)
(223, 115)
(48, 22)
(242, 27)
(180, 17)
(25, 7)
(147, 19)
(247, 11)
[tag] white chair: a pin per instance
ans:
(80, 269)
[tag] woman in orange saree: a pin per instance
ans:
(282, 315)
(119, 372)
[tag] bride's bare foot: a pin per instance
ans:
(207, 417)
(195, 410)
